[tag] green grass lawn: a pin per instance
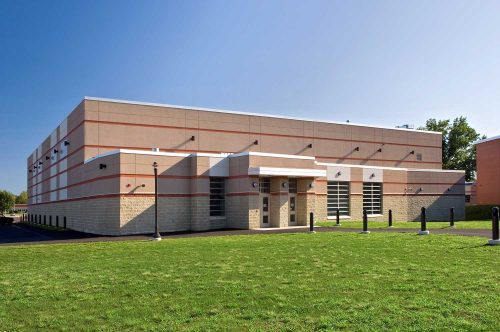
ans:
(480, 224)
(323, 281)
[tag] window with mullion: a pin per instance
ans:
(217, 197)
(337, 198)
(372, 197)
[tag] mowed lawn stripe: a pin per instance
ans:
(262, 282)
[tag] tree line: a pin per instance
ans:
(8, 199)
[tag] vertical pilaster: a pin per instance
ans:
(306, 200)
(279, 202)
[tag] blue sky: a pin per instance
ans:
(374, 62)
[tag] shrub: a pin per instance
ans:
(478, 212)
(6, 220)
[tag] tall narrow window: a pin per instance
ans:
(217, 197)
(265, 185)
(292, 186)
(372, 197)
(337, 198)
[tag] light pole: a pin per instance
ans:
(156, 235)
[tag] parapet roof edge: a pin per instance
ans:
(120, 101)
(393, 168)
(486, 140)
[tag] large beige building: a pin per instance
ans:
(220, 169)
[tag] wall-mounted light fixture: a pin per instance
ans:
(56, 151)
(102, 166)
(421, 189)
(338, 174)
(40, 162)
(192, 138)
(143, 185)
(356, 148)
(310, 146)
(412, 152)
(284, 184)
(449, 189)
(66, 142)
(34, 167)
(311, 185)
(254, 184)
(379, 150)
(256, 142)
(372, 176)
(29, 171)
(47, 157)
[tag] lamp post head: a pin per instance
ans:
(155, 164)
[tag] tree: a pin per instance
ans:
(457, 149)
(7, 201)
(22, 198)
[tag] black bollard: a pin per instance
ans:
(338, 217)
(423, 223)
(452, 217)
(390, 218)
(311, 223)
(495, 236)
(365, 223)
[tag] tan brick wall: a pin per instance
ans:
(97, 216)
(200, 211)
(237, 211)
(279, 210)
(254, 211)
(438, 207)
(137, 214)
(305, 205)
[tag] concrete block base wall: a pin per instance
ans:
(135, 215)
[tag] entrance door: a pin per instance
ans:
(265, 201)
(292, 208)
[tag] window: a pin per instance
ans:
(372, 197)
(217, 197)
(337, 198)
(265, 185)
(467, 198)
(292, 186)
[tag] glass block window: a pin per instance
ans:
(265, 185)
(217, 197)
(292, 186)
(372, 197)
(337, 198)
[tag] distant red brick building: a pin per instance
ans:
(488, 171)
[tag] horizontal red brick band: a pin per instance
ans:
(225, 131)
(55, 175)
(251, 193)
(395, 182)
(58, 142)
(121, 195)
(207, 195)
(373, 159)
(255, 133)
